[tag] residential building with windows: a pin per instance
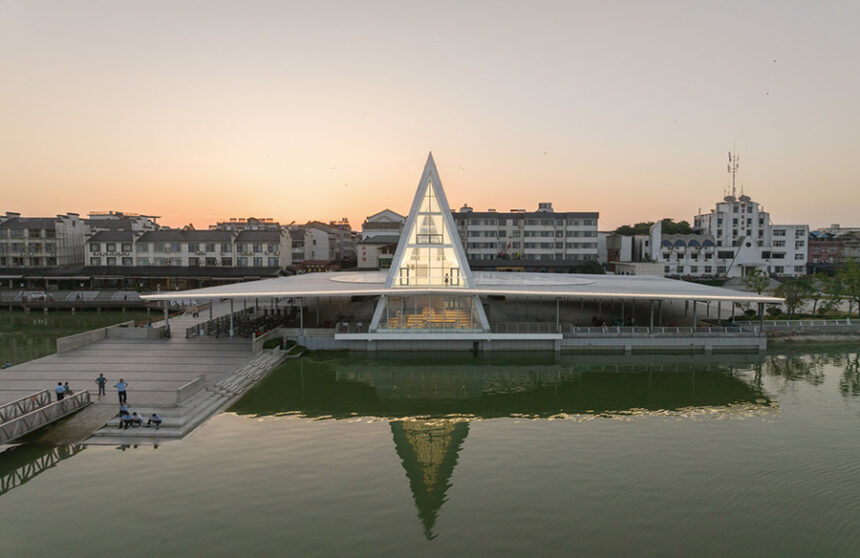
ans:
(380, 233)
(832, 246)
(732, 240)
(542, 240)
(39, 242)
(191, 248)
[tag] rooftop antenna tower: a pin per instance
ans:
(734, 163)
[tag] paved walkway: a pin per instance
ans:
(154, 369)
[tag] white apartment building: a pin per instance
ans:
(730, 241)
(37, 242)
(190, 248)
(528, 237)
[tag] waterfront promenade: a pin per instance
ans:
(161, 374)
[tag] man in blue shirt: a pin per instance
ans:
(61, 391)
(154, 418)
(101, 381)
(121, 386)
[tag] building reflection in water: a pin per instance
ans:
(430, 403)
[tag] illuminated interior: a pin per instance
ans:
(430, 312)
(429, 258)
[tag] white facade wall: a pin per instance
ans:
(743, 239)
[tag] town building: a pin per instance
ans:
(380, 233)
(830, 247)
(190, 248)
(40, 242)
(736, 237)
(246, 224)
(121, 221)
(520, 240)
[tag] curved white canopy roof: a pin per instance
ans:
(548, 285)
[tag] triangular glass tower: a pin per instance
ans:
(429, 253)
(431, 269)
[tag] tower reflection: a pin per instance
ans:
(430, 403)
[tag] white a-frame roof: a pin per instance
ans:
(429, 253)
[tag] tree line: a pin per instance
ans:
(825, 293)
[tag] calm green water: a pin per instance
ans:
(25, 336)
(436, 455)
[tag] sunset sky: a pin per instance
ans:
(200, 111)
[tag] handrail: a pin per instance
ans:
(24, 405)
(34, 420)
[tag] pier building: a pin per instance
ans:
(432, 298)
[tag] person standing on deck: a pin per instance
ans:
(121, 387)
(101, 381)
(61, 391)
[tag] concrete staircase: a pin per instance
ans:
(179, 420)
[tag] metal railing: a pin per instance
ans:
(28, 404)
(47, 414)
(530, 328)
(619, 331)
(792, 324)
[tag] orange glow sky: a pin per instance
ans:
(200, 111)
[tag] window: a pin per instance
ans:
(193, 247)
(241, 261)
(142, 261)
(210, 247)
(110, 247)
(95, 261)
(778, 232)
(679, 269)
(126, 246)
(175, 247)
(778, 243)
(798, 256)
(694, 269)
(273, 262)
(193, 262)
(799, 244)
(799, 269)
(127, 261)
(779, 255)
(111, 261)
(779, 269)
(143, 247)
(210, 261)
(709, 269)
(258, 248)
(161, 247)
(225, 248)
(258, 262)
(725, 255)
(95, 246)
(666, 269)
(273, 249)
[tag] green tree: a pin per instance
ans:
(795, 292)
(756, 280)
(817, 291)
(849, 282)
(644, 227)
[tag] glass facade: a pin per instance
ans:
(429, 258)
(429, 313)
